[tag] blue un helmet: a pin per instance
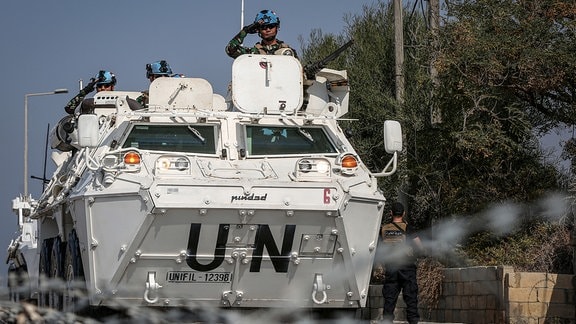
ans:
(158, 68)
(105, 77)
(268, 17)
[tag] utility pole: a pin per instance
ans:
(399, 51)
(434, 18)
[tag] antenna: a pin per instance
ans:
(242, 15)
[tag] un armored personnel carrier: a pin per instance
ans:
(253, 200)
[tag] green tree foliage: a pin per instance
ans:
(491, 89)
(521, 50)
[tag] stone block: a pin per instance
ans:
(481, 302)
(531, 280)
(522, 295)
(528, 309)
(460, 288)
(522, 320)
(465, 302)
(473, 302)
(483, 274)
(452, 274)
(491, 302)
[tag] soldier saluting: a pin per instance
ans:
(398, 243)
(266, 24)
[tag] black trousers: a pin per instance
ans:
(396, 280)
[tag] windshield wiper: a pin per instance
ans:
(197, 134)
(306, 135)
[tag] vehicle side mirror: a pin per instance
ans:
(392, 136)
(88, 130)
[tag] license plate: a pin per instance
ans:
(198, 277)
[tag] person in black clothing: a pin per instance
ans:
(398, 243)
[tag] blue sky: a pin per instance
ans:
(48, 45)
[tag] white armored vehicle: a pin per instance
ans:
(256, 200)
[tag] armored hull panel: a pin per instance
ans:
(256, 201)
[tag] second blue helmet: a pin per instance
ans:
(105, 77)
(158, 68)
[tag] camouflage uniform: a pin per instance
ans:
(235, 48)
(74, 102)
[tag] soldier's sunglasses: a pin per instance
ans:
(270, 26)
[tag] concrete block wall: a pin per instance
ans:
(493, 295)
(540, 298)
(470, 295)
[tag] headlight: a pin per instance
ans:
(308, 169)
(172, 165)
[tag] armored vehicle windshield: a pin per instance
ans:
(173, 138)
(273, 140)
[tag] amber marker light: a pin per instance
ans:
(132, 158)
(349, 161)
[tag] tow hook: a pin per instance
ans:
(319, 288)
(151, 289)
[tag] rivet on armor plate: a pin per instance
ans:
(123, 248)
(290, 213)
(306, 237)
(157, 195)
(334, 231)
(183, 253)
(202, 211)
(167, 302)
(178, 260)
(340, 250)
(349, 294)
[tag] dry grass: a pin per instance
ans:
(430, 277)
